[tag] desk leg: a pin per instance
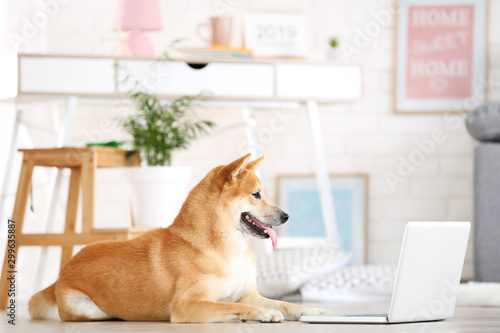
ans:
(71, 212)
(252, 132)
(23, 190)
(322, 177)
(71, 105)
(256, 151)
(253, 137)
(55, 179)
(89, 165)
(10, 161)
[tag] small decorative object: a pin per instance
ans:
(332, 51)
(441, 52)
(298, 195)
(158, 129)
(115, 144)
(219, 31)
(137, 16)
(276, 34)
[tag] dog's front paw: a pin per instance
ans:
(294, 312)
(263, 315)
(271, 316)
(313, 312)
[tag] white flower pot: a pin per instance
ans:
(158, 193)
(332, 53)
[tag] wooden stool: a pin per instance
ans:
(83, 163)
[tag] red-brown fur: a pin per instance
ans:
(200, 269)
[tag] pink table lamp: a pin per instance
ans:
(137, 16)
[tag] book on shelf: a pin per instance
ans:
(215, 52)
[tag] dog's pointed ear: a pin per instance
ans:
(253, 165)
(231, 171)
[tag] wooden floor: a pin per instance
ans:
(470, 320)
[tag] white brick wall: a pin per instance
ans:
(364, 136)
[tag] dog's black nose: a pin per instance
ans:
(284, 217)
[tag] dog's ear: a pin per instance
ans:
(231, 171)
(253, 165)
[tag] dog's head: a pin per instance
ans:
(243, 192)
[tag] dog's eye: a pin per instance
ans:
(256, 195)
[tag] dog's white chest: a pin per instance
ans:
(240, 276)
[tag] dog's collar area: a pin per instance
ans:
(258, 229)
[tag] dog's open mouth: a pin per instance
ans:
(258, 229)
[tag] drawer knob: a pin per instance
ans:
(197, 66)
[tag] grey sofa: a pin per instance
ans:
(484, 125)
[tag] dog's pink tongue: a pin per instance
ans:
(272, 235)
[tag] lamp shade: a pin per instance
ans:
(137, 15)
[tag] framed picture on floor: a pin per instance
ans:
(298, 195)
(440, 55)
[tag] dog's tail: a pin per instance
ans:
(43, 304)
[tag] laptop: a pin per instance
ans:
(427, 279)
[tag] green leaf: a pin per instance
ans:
(158, 128)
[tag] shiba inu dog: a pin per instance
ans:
(199, 269)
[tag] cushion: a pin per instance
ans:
(370, 283)
(479, 294)
(483, 122)
(284, 271)
(486, 212)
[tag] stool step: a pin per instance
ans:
(131, 230)
(79, 239)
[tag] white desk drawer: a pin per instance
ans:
(233, 80)
(221, 79)
(318, 81)
(66, 75)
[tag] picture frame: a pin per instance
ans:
(276, 34)
(298, 195)
(441, 55)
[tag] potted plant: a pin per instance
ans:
(158, 129)
(332, 51)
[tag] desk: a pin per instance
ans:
(235, 80)
(241, 82)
